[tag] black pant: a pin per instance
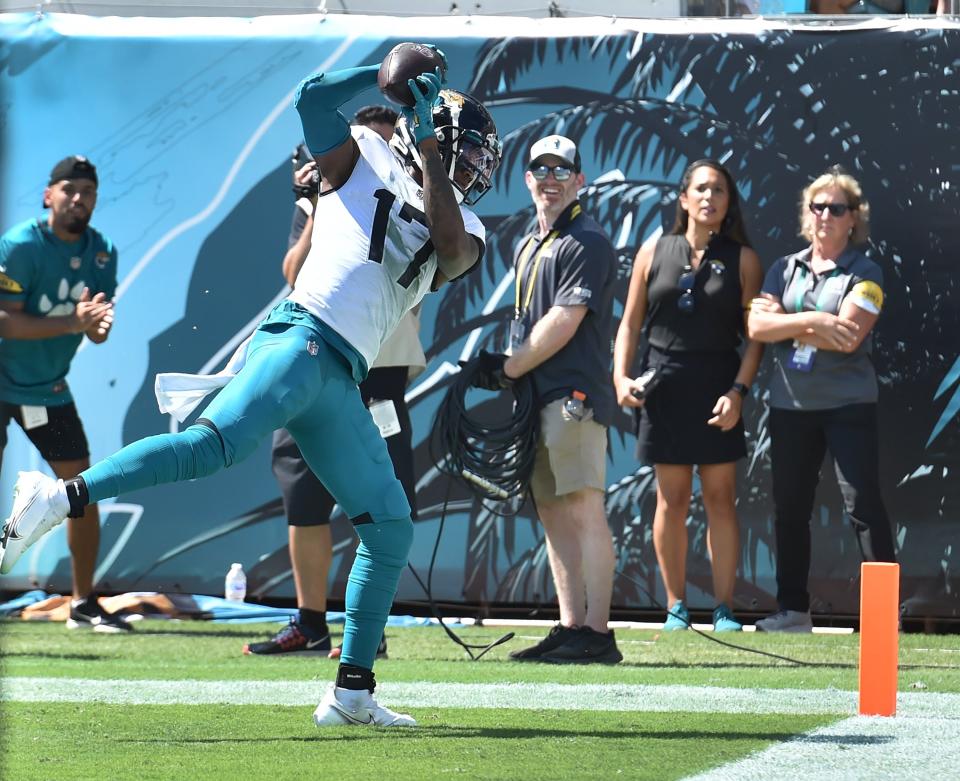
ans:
(798, 443)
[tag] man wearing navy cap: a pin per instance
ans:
(57, 279)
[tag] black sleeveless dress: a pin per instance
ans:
(694, 345)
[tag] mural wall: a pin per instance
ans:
(190, 123)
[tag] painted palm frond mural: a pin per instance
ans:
(777, 104)
(641, 107)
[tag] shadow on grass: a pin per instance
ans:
(759, 664)
(238, 636)
(53, 655)
(774, 663)
(502, 733)
(846, 740)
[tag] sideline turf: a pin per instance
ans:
(199, 650)
(67, 742)
(101, 742)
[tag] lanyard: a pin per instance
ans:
(522, 264)
(801, 292)
(525, 256)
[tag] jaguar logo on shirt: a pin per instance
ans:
(67, 298)
(101, 259)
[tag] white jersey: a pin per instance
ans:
(371, 258)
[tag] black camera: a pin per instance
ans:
(301, 156)
(646, 382)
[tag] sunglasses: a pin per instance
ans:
(688, 279)
(835, 209)
(560, 172)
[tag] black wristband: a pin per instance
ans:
(739, 387)
(77, 496)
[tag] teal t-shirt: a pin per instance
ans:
(48, 275)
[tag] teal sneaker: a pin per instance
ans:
(677, 617)
(723, 620)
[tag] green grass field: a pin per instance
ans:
(179, 701)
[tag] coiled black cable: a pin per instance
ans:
(495, 461)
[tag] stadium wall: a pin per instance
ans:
(190, 123)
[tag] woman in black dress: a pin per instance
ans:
(689, 294)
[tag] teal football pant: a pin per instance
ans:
(293, 379)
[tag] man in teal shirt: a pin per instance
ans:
(57, 280)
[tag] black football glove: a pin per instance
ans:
(487, 370)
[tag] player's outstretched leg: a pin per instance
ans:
(40, 503)
(275, 383)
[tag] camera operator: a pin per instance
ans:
(566, 271)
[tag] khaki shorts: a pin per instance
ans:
(571, 454)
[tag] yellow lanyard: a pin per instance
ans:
(525, 256)
(522, 264)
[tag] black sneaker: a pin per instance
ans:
(586, 646)
(294, 638)
(89, 615)
(381, 650)
(556, 637)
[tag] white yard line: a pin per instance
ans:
(922, 742)
(529, 696)
(856, 748)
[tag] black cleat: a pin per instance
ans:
(294, 638)
(88, 614)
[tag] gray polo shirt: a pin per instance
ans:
(836, 379)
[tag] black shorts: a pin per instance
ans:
(61, 439)
(673, 422)
(306, 501)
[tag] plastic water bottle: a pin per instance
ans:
(235, 584)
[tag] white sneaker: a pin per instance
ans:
(341, 707)
(39, 504)
(786, 621)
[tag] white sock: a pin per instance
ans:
(58, 499)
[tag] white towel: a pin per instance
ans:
(180, 394)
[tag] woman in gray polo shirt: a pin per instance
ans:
(818, 307)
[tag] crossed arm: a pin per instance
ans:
(843, 332)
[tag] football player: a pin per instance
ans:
(389, 227)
